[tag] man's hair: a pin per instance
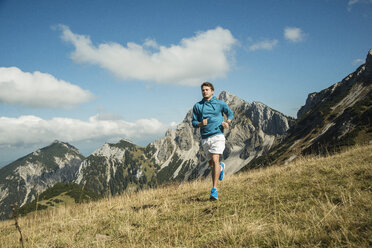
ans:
(208, 84)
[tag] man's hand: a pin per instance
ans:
(226, 124)
(204, 122)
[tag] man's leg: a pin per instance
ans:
(216, 168)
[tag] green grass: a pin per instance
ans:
(312, 202)
(59, 194)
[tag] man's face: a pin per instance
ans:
(207, 92)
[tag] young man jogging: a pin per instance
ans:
(208, 116)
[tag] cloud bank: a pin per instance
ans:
(263, 45)
(38, 89)
(204, 56)
(294, 34)
(30, 129)
(358, 61)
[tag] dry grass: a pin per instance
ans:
(313, 202)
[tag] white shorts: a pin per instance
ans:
(213, 145)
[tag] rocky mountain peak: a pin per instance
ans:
(369, 56)
(230, 99)
(259, 105)
(362, 74)
(368, 64)
(22, 180)
(124, 143)
(115, 150)
(58, 142)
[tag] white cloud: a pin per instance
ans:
(358, 61)
(29, 129)
(151, 43)
(202, 57)
(353, 2)
(38, 89)
(294, 34)
(263, 45)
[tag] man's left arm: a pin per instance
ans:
(229, 114)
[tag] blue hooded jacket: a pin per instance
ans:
(213, 110)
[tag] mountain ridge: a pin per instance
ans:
(333, 118)
(23, 179)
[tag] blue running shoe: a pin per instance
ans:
(222, 174)
(214, 195)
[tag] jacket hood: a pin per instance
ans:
(211, 102)
(213, 99)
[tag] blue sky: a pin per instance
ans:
(89, 72)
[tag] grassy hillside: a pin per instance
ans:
(59, 194)
(313, 202)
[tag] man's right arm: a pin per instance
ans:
(195, 121)
(195, 118)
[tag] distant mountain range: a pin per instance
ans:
(331, 119)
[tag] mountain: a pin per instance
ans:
(331, 119)
(23, 179)
(177, 156)
(114, 168)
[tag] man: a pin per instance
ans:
(208, 115)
